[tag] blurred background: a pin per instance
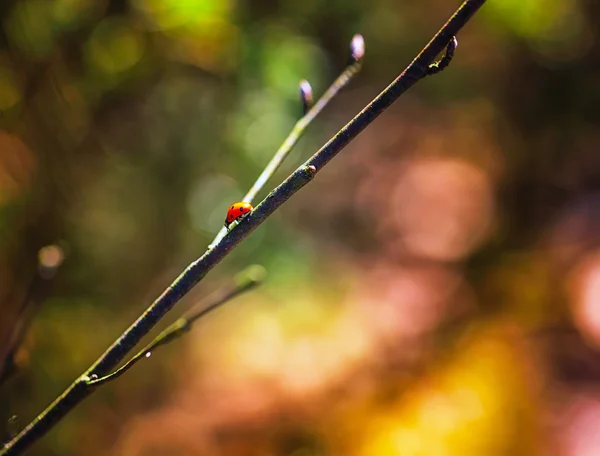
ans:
(435, 290)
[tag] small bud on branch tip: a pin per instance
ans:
(443, 63)
(306, 95)
(357, 47)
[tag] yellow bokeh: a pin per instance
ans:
(556, 29)
(168, 14)
(114, 47)
(476, 405)
(9, 90)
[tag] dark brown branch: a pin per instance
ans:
(81, 388)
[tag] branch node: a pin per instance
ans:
(310, 170)
(88, 379)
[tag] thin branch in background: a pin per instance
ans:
(50, 258)
(311, 111)
(245, 281)
(81, 388)
(11, 427)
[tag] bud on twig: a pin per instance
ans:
(357, 47)
(443, 63)
(306, 95)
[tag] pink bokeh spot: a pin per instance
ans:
(442, 207)
(585, 294)
(580, 436)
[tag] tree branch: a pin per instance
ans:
(357, 51)
(251, 276)
(81, 388)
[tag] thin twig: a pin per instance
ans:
(50, 259)
(243, 282)
(299, 128)
(81, 388)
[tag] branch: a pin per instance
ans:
(81, 388)
(252, 276)
(310, 111)
(244, 281)
(357, 51)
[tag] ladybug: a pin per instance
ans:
(237, 211)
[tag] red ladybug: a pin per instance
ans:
(237, 211)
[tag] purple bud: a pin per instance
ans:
(306, 95)
(357, 47)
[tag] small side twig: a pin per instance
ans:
(80, 388)
(245, 281)
(443, 63)
(310, 113)
(50, 259)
